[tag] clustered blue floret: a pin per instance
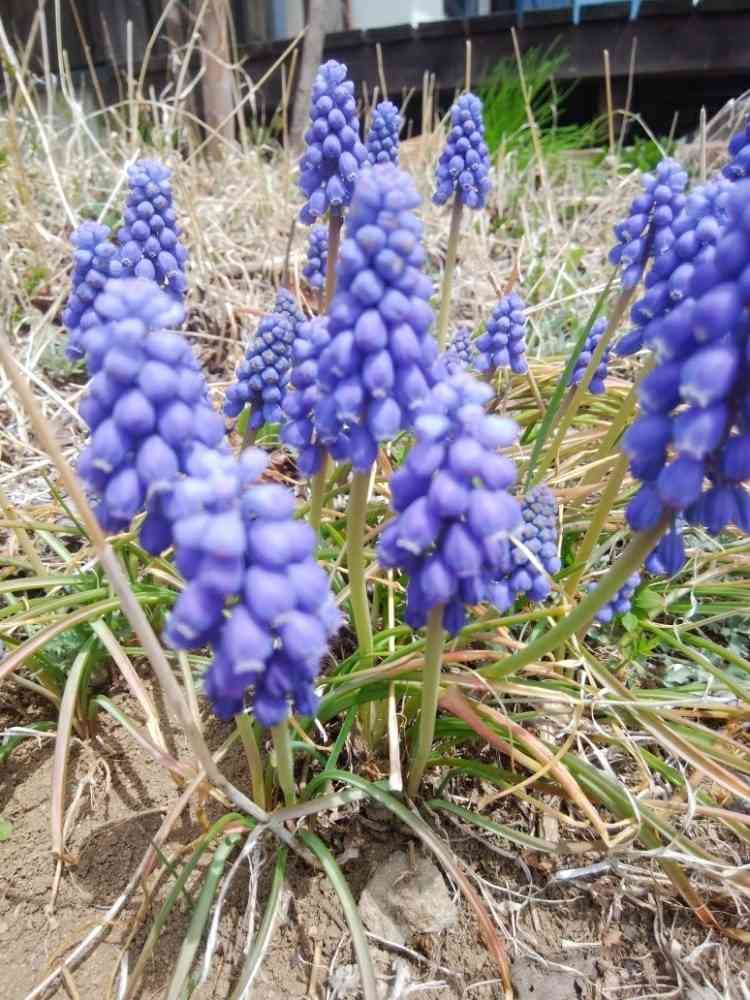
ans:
(691, 445)
(690, 242)
(237, 538)
(454, 514)
(464, 164)
(596, 386)
(376, 368)
(621, 603)
(503, 343)
(95, 259)
(286, 305)
(647, 228)
(317, 257)
(383, 138)
(535, 559)
(333, 152)
(262, 375)
(303, 395)
(146, 405)
(461, 351)
(668, 557)
(739, 151)
(149, 240)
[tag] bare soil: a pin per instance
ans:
(615, 935)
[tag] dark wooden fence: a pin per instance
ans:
(687, 56)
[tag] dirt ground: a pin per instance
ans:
(613, 935)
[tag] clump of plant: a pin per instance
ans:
(422, 565)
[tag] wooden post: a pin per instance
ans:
(312, 54)
(217, 84)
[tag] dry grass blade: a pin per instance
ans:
(458, 705)
(131, 678)
(62, 747)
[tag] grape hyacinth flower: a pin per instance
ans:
(334, 153)
(149, 240)
(262, 375)
(95, 260)
(376, 368)
(236, 537)
(317, 258)
(286, 305)
(462, 172)
(596, 385)
(691, 242)
(690, 446)
(146, 406)
(739, 151)
(464, 164)
(668, 557)
(303, 394)
(646, 229)
(621, 603)
(503, 343)
(461, 351)
(383, 138)
(454, 514)
(535, 559)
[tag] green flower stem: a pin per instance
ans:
(567, 418)
(318, 492)
(252, 752)
(598, 519)
(335, 223)
(433, 655)
(284, 764)
(355, 558)
(450, 267)
(583, 613)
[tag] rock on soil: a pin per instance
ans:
(405, 898)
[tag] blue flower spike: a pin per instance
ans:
(150, 244)
(238, 542)
(534, 559)
(375, 371)
(596, 386)
(689, 243)
(463, 174)
(647, 228)
(147, 406)
(334, 153)
(621, 603)
(262, 376)
(690, 446)
(317, 258)
(95, 260)
(454, 513)
(503, 343)
(383, 137)
(464, 165)
(454, 519)
(460, 355)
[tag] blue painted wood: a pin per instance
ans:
(526, 6)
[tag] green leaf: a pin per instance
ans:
(5, 829)
(630, 622)
(648, 600)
